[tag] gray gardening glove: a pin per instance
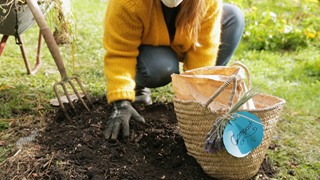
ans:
(121, 114)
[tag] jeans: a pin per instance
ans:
(156, 64)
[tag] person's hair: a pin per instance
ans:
(189, 18)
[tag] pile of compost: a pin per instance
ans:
(77, 149)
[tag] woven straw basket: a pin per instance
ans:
(196, 119)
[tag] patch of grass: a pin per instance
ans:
(25, 93)
(293, 76)
(3, 153)
(163, 94)
(4, 125)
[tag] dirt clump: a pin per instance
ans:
(79, 150)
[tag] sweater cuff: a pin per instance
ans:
(121, 95)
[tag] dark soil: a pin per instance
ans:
(155, 150)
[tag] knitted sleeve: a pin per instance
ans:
(209, 39)
(122, 37)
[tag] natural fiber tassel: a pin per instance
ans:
(214, 141)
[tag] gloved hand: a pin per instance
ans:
(120, 117)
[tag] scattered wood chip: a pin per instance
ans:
(13, 123)
(292, 165)
(96, 125)
(40, 108)
(2, 143)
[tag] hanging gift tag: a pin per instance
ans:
(243, 133)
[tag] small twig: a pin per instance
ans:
(28, 169)
(8, 120)
(138, 138)
(132, 135)
(5, 17)
(3, 162)
(18, 152)
(10, 166)
(18, 166)
(96, 125)
(49, 162)
(7, 4)
(31, 172)
(14, 177)
(4, 153)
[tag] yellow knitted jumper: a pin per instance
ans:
(128, 24)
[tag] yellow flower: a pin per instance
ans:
(254, 8)
(259, 39)
(314, 1)
(311, 35)
(307, 32)
(235, 3)
(283, 21)
(318, 32)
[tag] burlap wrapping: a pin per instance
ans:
(196, 119)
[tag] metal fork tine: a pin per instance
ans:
(83, 90)
(60, 101)
(78, 95)
(62, 83)
(68, 96)
(54, 50)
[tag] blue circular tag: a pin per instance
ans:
(242, 134)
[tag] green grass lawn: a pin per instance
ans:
(286, 71)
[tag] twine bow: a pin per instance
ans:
(214, 141)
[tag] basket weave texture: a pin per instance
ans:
(196, 123)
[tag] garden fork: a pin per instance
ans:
(54, 49)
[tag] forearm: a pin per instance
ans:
(122, 36)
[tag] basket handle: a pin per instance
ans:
(231, 79)
(247, 71)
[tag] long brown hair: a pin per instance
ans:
(189, 18)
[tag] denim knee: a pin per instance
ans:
(155, 65)
(233, 23)
(233, 16)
